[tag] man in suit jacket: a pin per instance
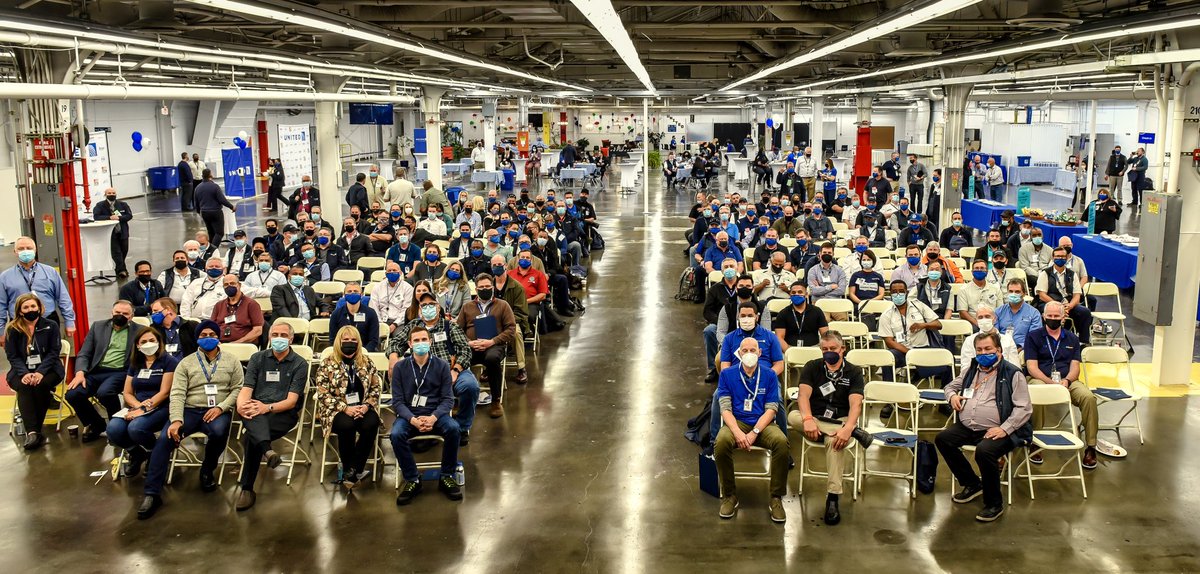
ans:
(286, 300)
(100, 368)
(112, 209)
(185, 182)
(141, 292)
(357, 195)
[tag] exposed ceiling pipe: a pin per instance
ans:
(539, 60)
(16, 91)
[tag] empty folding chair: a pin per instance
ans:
(832, 306)
(794, 359)
(1049, 440)
(347, 276)
(1102, 289)
(901, 436)
(855, 333)
(1123, 394)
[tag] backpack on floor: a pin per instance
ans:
(688, 289)
(577, 275)
(699, 427)
(597, 241)
(927, 464)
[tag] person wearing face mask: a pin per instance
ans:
(275, 176)
(381, 235)
(999, 275)
(893, 169)
(353, 311)
(789, 225)
(772, 281)
(829, 405)
(866, 284)
(853, 262)
(993, 183)
(315, 263)
(241, 318)
(286, 250)
(1053, 355)
(32, 346)
(957, 235)
(201, 296)
(460, 246)
(827, 281)
(203, 396)
(240, 259)
(728, 318)
(715, 301)
(1138, 164)
(1019, 239)
(494, 244)
(377, 185)
(1061, 283)
(747, 223)
(761, 166)
(788, 181)
(514, 294)
(915, 234)
(909, 324)
(143, 290)
(349, 388)
(818, 226)
(991, 398)
(934, 291)
(259, 283)
(1115, 170)
(754, 236)
(147, 388)
(100, 368)
(490, 326)
(910, 269)
(296, 298)
(357, 195)
(851, 206)
(178, 277)
(987, 325)
(1107, 209)
(211, 203)
(430, 268)
(268, 403)
(978, 291)
(186, 187)
(670, 169)
(933, 252)
(306, 198)
(749, 399)
(995, 242)
(178, 334)
(391, 296)
(476, 260)
(469, 216)
(801, 324)
(703, 233)
(534, 282)
(720, 251)
(354, 244)
(435, 225)
(878, 187)
(1007, 226)
(404, 252)
(113, 209)
(1035, 255)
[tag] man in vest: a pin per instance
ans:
(1060, 283)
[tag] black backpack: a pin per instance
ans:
(689, 289)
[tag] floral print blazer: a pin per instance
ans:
(332, 378)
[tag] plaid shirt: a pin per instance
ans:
(398, 343)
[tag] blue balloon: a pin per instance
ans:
(770, 123)
(241, 143)
(137, 136)
(137, 145)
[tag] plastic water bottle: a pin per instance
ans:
(18, 428)
(460, 474)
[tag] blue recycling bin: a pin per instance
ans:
(1024, 160)
(163, 178)
(452, 193)
(510, 177)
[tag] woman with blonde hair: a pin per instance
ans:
(452, 289)
(32, 345)
(348, 390)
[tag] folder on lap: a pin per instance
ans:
(485, 328)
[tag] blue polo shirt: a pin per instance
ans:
(1053, 355)
(716, 256)
(735, 384)
(768, 345)
(1024, 321)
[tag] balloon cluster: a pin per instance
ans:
(137, 141)
(242, 140)
(770, 123)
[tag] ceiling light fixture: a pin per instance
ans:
(333, 26)
(882, 26)
(604, 19)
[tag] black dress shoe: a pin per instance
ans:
(464, 438)
(832, 515)
(566, 313)
(886, 413)
(522, 377)
(207, 482)
(150, 504)
(90, 434)
(137, 458)
(711, 377)
(34, 440)
(863, 437)
(968, 493)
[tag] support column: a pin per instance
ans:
(431, 113)
(489, 133)
(329, 164)
(864, 104)
(816, 130)
(1173, 344)
(645, 155)
(954, 149)
(789, 127)
(1091, 153)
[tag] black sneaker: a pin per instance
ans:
(464, 438)
(968, 493)
(450, 488)
(273, 459)
(990, 514)
(349, 478)
(207, 482)
(150, 504)
(408, 491)
(133, 466)
(832, 514)
(886, 413)
(863, 437)
(711, 377)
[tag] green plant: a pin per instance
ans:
(583, 143)
(655, 159)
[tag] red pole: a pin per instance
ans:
(72, 251)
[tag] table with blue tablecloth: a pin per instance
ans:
(1052, 233)
(488, 177)
(1106, 260)
(982, 215)
(1031, 174)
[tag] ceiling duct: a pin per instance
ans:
(1045, 15)
(912, 44)
(847, 64)
(158, 17)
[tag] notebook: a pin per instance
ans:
(485, 328)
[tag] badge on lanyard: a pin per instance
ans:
(210, 391)
(172, 348)
(440, 337)
(747, 405)
(230, 319)
(360, 317)
(419, 401)
(145, 374)
(272, 376)
(829, 412)
(968, 392)
(352, 399)
(33, 361)
(827, 389)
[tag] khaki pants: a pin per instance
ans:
(810, 188)
(835, 460)
(771, 438)
(519, 349)
(837, 317)
(1089, 414)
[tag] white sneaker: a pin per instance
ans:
(484, 398)
(1110, 450)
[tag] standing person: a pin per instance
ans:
(147, 388)
(806, 168)
(1081, 177)
(762, 168)
(994, 181)
(915, 174)
(186, 184)
(357, 194)
(1137, 176)
(275, 188)
(198, 168)
(377, 186)
(1108, 211)
(400, 191)
(1115, 170)
(32, 345)
(29, 276)
(348, 391)
(111, 209)
(209, 201)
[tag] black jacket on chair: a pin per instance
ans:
(91, 353)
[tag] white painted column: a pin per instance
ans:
(489, 134)
(816, 130)
(431, 111)
(329, 163)
(1091, 153)
(645, 155)
(953, 148)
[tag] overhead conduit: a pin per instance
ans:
(125, 92)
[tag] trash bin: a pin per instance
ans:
(509, 176)
(1024, 160)
(452, 193)
(163, 178)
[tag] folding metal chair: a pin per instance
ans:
(299, 329)
(1101, 289)
(899, 396)
(1053, 439)
(793, 360)
(856, 333)
(1116, 356)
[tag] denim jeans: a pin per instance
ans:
(715, 425)
(445, 427)
(466, 389)
(106, 386)
(710, 346)
(217, 432)
(140, 431)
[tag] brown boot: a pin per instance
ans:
(497, 410)
(1089, 458)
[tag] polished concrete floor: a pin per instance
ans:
(589, 472)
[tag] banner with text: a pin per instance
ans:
(295, 151)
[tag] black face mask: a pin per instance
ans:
(272, 230)
(994, 244)
(180, 265)
(111, 198)
(31, 316)
(826, 258)
(745, 292)
(347, 228)
(257, 253)
(777, 268)
(144, 278)
(999, 265)
(722, 244)
(355, 216)
(1053, 323)
(1067, 248)
(120, 321)
(484, 294)
(349, 348)
(310, 232)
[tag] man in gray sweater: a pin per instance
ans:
(916, 174)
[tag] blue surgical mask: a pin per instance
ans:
(26, 255)
(1102, 197)
(432, 257)
(495, 239)
(264, 266)
(957, 223)
(817, 211)
(798, 299)
(913, 260)
(801, 242)
(729, 273)
(1013, 298)
(515, 233)
(524, 245)
(1060, 262)
(497, 270)
(214, 273)
(392, 277)
(560, 210)
(421, 348)
(157, 318)
(353, 298)
(465, 234)
(979, 275)
(935, 275)
(453, 275)
(524, 263)
(279, 344)
(239, 243)
(296, 280)
(322, 240)
(987, 360)
(1036, 240)
(429, 312)
(309, 253)
(861, 248)
(207, 344)
(476, 253)
(899, 298)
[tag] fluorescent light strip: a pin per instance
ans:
(605, 20)
(873, 30)
(366, 35)
(1019, 82)
(1068, 40)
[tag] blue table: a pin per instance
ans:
(1052, 233)
(1106, 260)
(982, 216)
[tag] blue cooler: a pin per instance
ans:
(509, 177)
(163, 178)
(1024, 160)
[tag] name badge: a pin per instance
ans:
(360, 317)
(272, 376)
(827, 389)
(210, 389)
(829, 412)
(481, 316)
(230, 319)
(828, 281)
(968, 393)
(936, 301)
(403, 258)
(1056, 377)
(172, 348)
(419, 401)
(440, 337)
(33, 361)
(747, 405)
(352, 399)
(144, 374)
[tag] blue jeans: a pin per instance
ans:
(715, 425)
(217, 432)
(445, 427)
(106, 386)
(140, 431)
(466, 389)
(710, 346)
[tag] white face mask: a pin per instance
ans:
(148, 348)
(746, 323)
(749, 359)
(985, 325)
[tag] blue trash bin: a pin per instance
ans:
(1024, 160)
(452, 193)
(163, 178)
(510, 177)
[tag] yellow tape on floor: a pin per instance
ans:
(7, 403)
(1106, 376)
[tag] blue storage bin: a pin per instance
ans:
(163, 178)
(1024, 160)
(453, 192)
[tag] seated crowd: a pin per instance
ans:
(221, 343)
(776, 276)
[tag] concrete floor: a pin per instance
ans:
(589, 472)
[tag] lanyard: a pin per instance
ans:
(1053, 350)
(422, 380)
(800, 318)
(29, 278)
(757, 378)
(208, 375)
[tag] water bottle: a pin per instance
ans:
(460, 474)
(340, 470)
(18, 427)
